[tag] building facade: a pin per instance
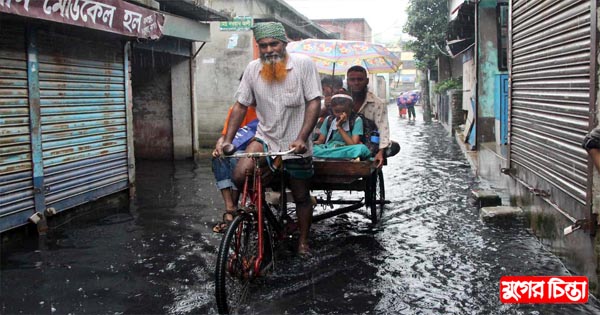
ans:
(358, 29)
(68, 103)
(221, 62)
(348, 29)
(406, 77)
(533, 99)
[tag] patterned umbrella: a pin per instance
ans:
(339, 55)
(411, 97)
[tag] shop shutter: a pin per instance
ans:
(550, 97)
(16, 185)
(83, 113)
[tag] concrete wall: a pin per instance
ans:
(382, 88)
(349, 29)
(579, 250)
(181, 108)
(469, 80)
(449, 67)
(456, 66)
(221, 61)
(219, 66)
(444, 65)
(487, 69)
(576, 251)
(152, 114)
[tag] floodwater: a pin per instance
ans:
(431, 254)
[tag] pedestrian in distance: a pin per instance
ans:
(411, 100)
(286, 89)
(401, 103)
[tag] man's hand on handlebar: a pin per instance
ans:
(226, 148)
(299, 146)
(215, 152)
(378, 159)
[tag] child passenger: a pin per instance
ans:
(341, 132)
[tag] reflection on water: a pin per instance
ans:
(430, 254)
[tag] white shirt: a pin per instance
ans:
(280, 106)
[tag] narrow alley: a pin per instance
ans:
(431, 254)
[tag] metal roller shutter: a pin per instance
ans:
(550, 94)
(83, 113)
(16, 169)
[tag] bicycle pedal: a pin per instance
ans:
(265, 270)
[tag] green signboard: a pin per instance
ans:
(239, 23)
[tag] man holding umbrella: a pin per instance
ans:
(371, 107)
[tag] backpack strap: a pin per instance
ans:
(352, 119)
(328, 124)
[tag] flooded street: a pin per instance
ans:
(431, 254)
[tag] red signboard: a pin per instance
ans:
(114, 16)
(544, 289)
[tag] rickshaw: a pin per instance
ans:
(247, 250)
(337, 175)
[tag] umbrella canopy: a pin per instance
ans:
(410, 97)
(333, 56)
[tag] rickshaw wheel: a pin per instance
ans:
(377, 199)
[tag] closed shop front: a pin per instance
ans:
(65, 103)
(66, 99)
(83, 118)
(64, 132)
(552, 64)
(16, 167)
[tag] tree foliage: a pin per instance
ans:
(427, 22)
(448, 84)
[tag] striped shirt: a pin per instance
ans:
(280, 106)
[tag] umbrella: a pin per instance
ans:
(339, 55)
(411, 97)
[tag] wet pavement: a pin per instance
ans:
(430, 254)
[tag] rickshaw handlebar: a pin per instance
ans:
(260, 154)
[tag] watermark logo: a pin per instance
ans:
(544, 289)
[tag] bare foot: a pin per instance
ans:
(304, 250)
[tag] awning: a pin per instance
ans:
(183, 28)
(463, 6)
(115, 16)
(179, 33)
(192, 9)
(461, 29)
(457, 47)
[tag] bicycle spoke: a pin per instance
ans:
(235, 266)
(238, 294)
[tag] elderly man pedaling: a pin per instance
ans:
(286, 89)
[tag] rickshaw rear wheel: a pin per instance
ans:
(377, 198)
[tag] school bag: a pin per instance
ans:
(369, 129)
